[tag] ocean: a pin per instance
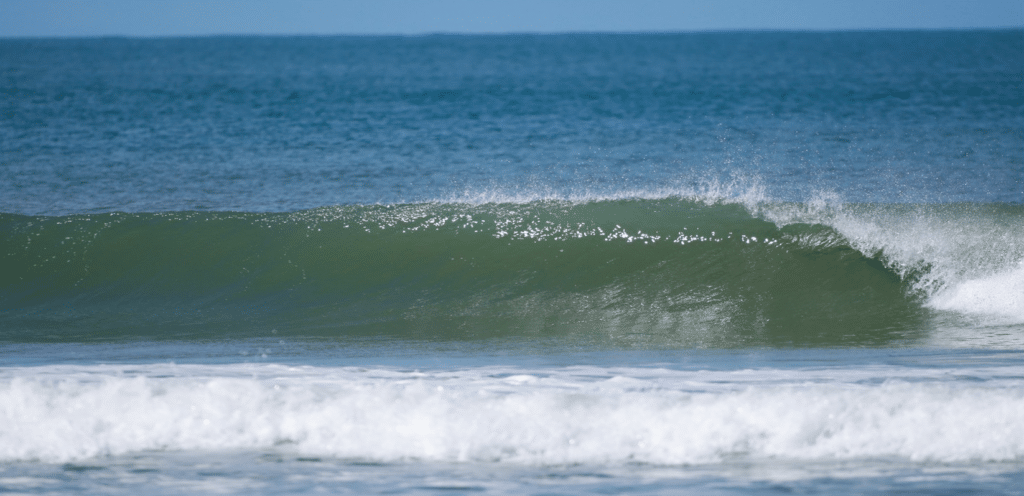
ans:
(681, 263)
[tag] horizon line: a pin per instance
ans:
(510, 33)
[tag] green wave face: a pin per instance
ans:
(637, 273)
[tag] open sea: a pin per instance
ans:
(709, 263)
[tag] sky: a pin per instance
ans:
(73, 18)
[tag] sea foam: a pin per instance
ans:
(999, 295)
(507, 415)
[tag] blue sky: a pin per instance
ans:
(204, 17)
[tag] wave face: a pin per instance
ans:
(638, 272)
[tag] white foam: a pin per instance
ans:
(999, 295)
(550, 416)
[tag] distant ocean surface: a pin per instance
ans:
(714, 263)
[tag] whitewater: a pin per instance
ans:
(551, 416)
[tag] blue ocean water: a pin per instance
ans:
(713, 263)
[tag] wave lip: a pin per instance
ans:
(575, 415)
(964, 258)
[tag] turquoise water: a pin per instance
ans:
(722, 263)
